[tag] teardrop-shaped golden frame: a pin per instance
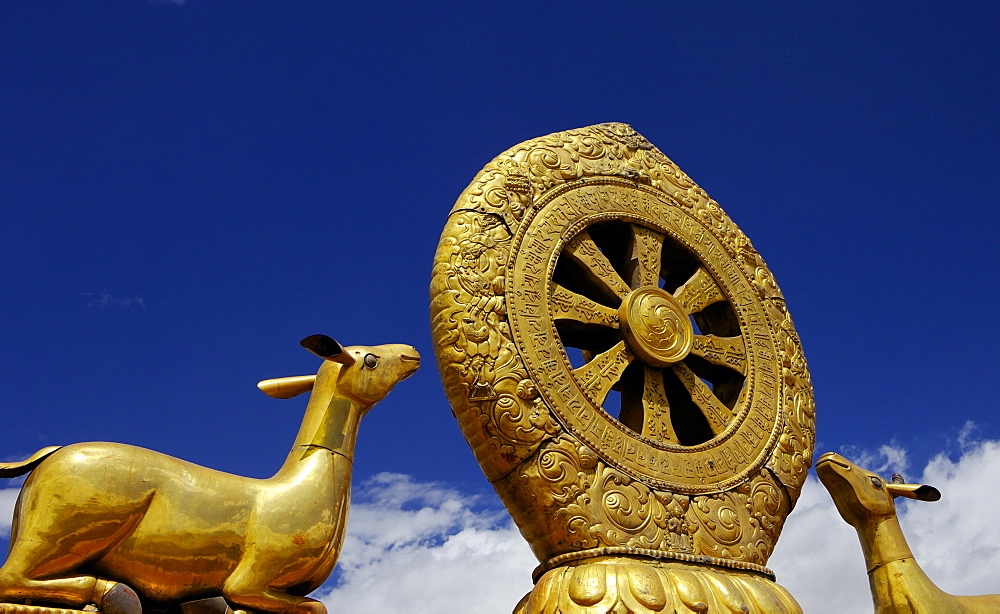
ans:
(534, 420)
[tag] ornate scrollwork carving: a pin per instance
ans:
(584, 265)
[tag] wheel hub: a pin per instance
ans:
(655, 326)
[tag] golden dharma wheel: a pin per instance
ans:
(619, 357)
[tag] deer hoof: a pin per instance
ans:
(120, 599)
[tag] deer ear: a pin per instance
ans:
(325, 347)
(287, 387)
(920, 492)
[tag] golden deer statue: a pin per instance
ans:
(96, 520)
(897, 583)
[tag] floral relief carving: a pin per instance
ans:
(622, 586)
(574, 479)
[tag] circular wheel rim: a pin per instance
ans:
(726, 433)
(665, 354)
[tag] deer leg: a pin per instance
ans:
(245, 589)
(256, 597)
(111, 597)
(15, 585)
(30, 558)
(273, 601)
(35, 562)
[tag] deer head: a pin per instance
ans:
(861, 496)
(365, 374)
(349, 383)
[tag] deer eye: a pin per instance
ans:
(371, 361)
(876, 482)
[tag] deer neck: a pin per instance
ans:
(882, 541)
(894, 576)
(331, 425)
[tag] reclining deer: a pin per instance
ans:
(897, 583)
(92, 515)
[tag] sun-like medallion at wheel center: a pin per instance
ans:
(655, 326)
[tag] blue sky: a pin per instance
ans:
(189, 188)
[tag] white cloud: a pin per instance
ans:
(418, 547)
(818, 557)
(7, 498)
(966, 436)
(423, 547)
(415, 547)
(889, 458)
(819, 560)
(956, 539)
(105, 300)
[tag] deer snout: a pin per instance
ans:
(834, 459)
(410, 359)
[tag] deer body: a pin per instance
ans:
(175, 531)
(897, 582)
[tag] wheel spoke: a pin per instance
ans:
(598, 376)
(724, 351)
(655, 421)
(644, 260)
(596, 266)
(568, 305)
(717, 414)
(631, 385)
(698, 292)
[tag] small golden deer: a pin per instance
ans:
(897, 583)
(93, 519)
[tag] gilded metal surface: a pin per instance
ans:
(898, 584)
(177, 532)
(584, 266)
(655, 326)
(13, 608)
(621, 584)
